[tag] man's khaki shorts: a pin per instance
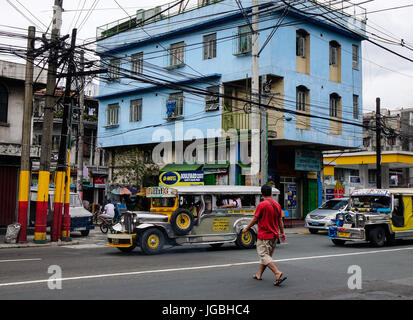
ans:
(265, 249)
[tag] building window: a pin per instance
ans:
(244, 40)
(177, 51)
(334, 53)
(301, 36)
(301, 102)
(114, 70)
(334, 105)
(372, 176)
(112, 116)
(366, 142)
(212, 101)
(210, 46)
(175, 105)
(4, 104)
(355, 106)
(355, 57)
(135, 114)
(137, 63)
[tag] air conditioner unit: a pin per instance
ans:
(152, 15)
(140, 16)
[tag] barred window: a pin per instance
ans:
(177, 51)
(355, 106)
(210, 46)
(4, 103)
(137, 63)
(114, 70)
(334, 53)
(112, 114)
(301, 36)
(334, 105)
(355, 57)
(301, 101)
(244, 39)
(135, 114)
(175, 105)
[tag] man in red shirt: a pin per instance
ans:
(269, 219)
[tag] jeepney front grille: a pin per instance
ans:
(128, 222)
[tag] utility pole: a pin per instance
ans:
(47, 131)
(24, 180)
(79, 184)
(378, 145)
(61, 162)
(255, 110)
(264, 133)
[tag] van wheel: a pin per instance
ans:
(246, 240)
(182, 221)
(84, 233)
(377, 237)
(152, 241)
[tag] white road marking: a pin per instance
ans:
(202, 267)
(21, 260)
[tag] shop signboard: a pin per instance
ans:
(181, 178)
(307, 160)
(99, 182)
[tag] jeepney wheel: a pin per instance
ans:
(152, 241)
(338, 242)
(182, 221)
(246, 240)
(377, 237)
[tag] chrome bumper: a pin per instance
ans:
(352, 234)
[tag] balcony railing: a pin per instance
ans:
(236, 120)
(144, 17)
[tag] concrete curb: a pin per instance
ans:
(36, 245)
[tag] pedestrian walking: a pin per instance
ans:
(268, 218)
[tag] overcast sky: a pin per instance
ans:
(385, 75)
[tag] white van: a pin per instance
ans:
(80, 218)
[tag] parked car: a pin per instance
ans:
(320, 218)
(80, 218)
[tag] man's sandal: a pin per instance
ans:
(280, 280)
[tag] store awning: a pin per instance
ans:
(181, 167)
(244, 166)
(216, 165)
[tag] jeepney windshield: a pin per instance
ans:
(371, 203)
(163, 202)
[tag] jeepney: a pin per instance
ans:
(379, 216)
(189, 215)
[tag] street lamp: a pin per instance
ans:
(272, 133)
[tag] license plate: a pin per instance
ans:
(315, 223)
(344, 234)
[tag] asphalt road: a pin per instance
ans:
(316, 269)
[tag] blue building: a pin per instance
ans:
(180, 75)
